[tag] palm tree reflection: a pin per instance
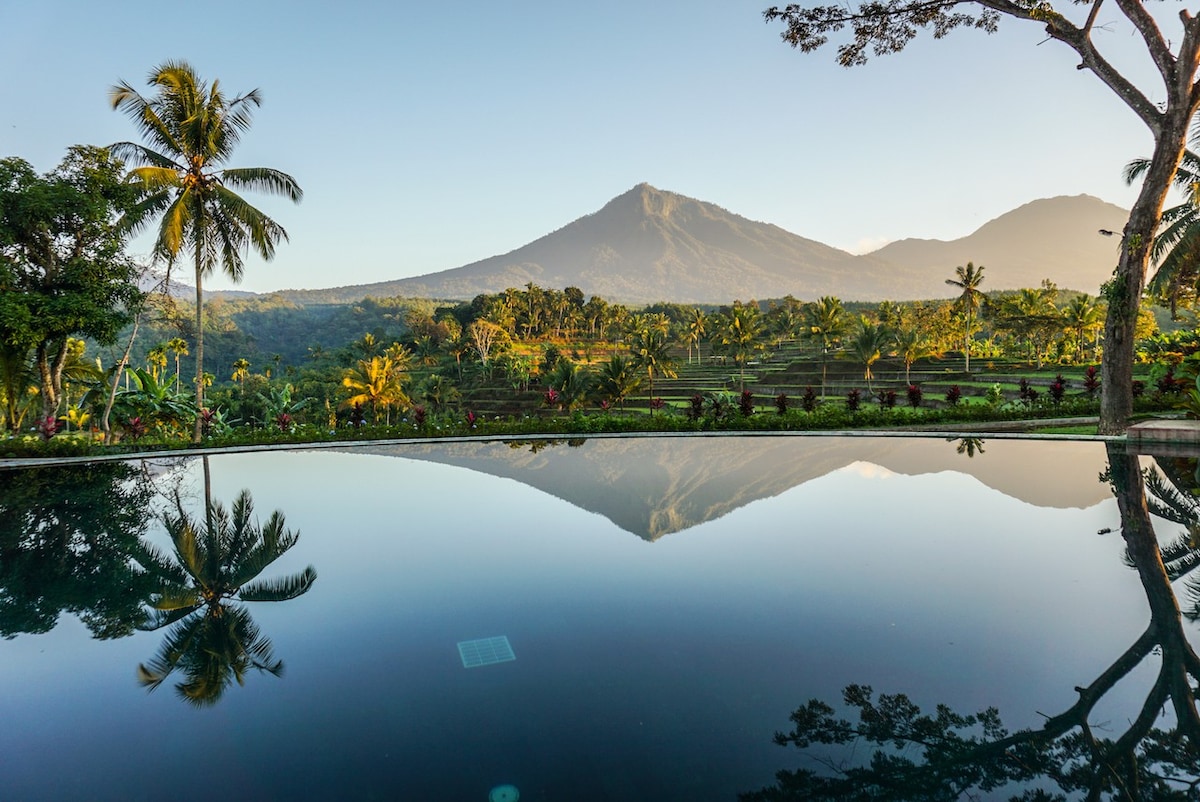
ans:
(947, 756)
(213, 565)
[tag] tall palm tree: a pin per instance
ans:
(911, 344)
(191, 128)
(179, 347)
(868, 345)
(695, 326)
(1083, 316)
(650, 351)
(740, 333)
(827, 322)
(968, 280)
(212, 563)
(617, 380)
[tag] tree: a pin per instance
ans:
(376, 382)
(179, 347)
(911, 345)
(968, 280)
(695, 325)
(740, 331)
(869, 345)
(1167, 111)
(617, 380)
(827, 322)
(192, 128)
(63, 268)
(214, 562)
(1083, 316)
(650, 349)
(1177, 246)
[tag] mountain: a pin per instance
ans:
(1055, 238)
(654, 486)
(649, 245)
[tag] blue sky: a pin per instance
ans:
(427, 136)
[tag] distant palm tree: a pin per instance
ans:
(241, 372)
(179, 347)
(192, 128)
(740, 332)
(868, 345)
(375, 382)
(650, 350)
(214, 562)
(827, 322)
(617, 380)
(1083, 315)
(695, 326)
(968, 280)
(911, 345)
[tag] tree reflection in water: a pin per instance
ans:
(945, 755)
(67, 533)
(213, 564)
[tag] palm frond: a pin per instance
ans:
(263, 179)
(279, 589)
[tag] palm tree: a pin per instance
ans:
(695, 326)
(179, 347)
(968, 280)
(211, 563)
(241, 372)
(192, 128)
(1176, 248)
(826, 323)
(911, 345)
(376, 382)
(740, 332)
(1083, 316)
(650, 351)
(156, 359)
(868, 346)
(617, 380)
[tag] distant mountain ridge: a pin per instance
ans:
(649, 245)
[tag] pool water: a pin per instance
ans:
(642, 615)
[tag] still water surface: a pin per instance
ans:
(669, 602)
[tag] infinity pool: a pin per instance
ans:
(665, 604)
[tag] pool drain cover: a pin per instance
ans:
(485, 651)
(504, 793)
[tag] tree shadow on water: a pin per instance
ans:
(918, 756)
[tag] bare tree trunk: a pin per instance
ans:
(112, 391)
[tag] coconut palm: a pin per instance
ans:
(695, 326)
(868, 345)
(156, 359)
(617, 380)
(911, 345)
(968, 280)
(376, 382)
(179, 347)
(212, 563)
(650, 350)
(740, 333)
(191, 128)
(827, 322)
(1083, 315)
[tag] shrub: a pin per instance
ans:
(1058, 389)
(781, 403)
(953, 395)
(695, 407)
(1138, 388)
(995, 396)
(808, 401)
(418, 414)
(853, 399)
(887, 399)
(914, 395)
(1091, 382)
(746, 404)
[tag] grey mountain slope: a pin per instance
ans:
(649, 245)
(652, 487)
(1055, 238)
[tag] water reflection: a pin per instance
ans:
(67, 535)
(946, 755)
(213, 564)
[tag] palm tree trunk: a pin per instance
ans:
(199, 342)
(967, 342)
(112, 391)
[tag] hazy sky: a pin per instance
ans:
(429, 135)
